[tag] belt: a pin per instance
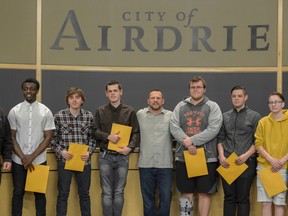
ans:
(105, 151)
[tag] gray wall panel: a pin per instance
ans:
(136, 86)
(10, 87)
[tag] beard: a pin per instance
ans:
(155, 107)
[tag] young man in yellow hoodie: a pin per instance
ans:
(272, 146)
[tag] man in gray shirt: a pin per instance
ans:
(195, 123)
(155, 158)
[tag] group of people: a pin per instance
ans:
(195, 122)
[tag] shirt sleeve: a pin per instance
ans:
(135, 134)
(6, 148)
(175, 129)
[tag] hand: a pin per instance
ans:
(187, 142)
(7, 166)
(85, 157)
(27, 162)
(65, 154)
(222, 160)
(192, 149)
(114, 138)
(276, 164)
(241, 159)
(125, 150)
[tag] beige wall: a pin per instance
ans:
(133, 199)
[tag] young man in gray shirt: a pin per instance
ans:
(237, 135)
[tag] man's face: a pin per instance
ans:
(75, 101)
(29, 92)
(197, 90)
(113, 93)
(238, 98)
(155, 100)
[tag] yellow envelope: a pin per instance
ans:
(124, 133)
(272, 182)
(196, 164)
(234, 171)
(76, 163)
(36, 181)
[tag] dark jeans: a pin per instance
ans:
(19, 179)
(150, 178)
(83, 180)
(237, 195)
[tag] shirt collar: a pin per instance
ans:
(242, 110)
(114, 108)
(30, 104)
(163, 111)
(69, 113)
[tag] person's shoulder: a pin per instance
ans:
(167, 112)
(253, 112)
(17, 107)
(43, 106)
(212, 104)
(61, 112)
(101, 107)
(228, 112)
(86, 112)
(141, 111)
(265, 119)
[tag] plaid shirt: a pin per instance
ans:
(73, 129)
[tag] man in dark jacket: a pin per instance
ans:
(5, 142)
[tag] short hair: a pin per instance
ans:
(197, 79)
(277, 94)
(155, 89)
(74, 90)
(113, 82)
(31, 80)
(240, 87)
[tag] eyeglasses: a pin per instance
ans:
(196, 87)
(274, 102)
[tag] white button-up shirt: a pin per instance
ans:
(30, 122)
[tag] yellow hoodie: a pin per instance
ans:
(272, 135)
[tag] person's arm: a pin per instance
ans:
(276, 163)
(16, 148)
(243, 158)
(91, 140)
(42, 147)
(175, 129)
(222, 158)
(98, 132)
(7, 143)
(6, 148)
(284, 159)
(135, 135)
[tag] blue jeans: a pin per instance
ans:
(19, 179)
(113, 175)
(83, 180)
(237, 195)
(150, 179)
